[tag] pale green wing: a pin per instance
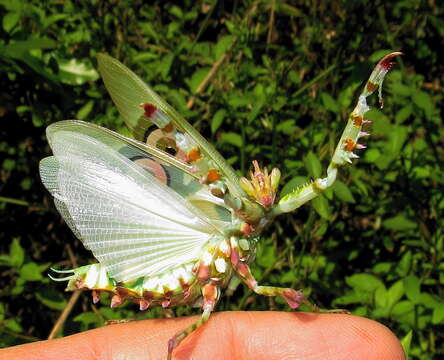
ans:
(165, 168)
(128, 92)
(133, 223)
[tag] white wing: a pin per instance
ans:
(135, 225)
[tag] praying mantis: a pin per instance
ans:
(168, 219)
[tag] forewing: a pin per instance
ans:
(128, 92)
(133, 223)
(165, 168)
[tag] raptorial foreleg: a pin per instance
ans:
(347, 144)
(210, 294)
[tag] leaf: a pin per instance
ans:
(18, 49)
(30, 272)
(381, 123)
(51, 298)
(223, 45)
(10, 20)
(393, 146)
(343, 192)
(379, 54)
(399, 222)
(85, 110)
(350, 298)
(196, 79)
(329, 103)
(76, 72)
(423, 101)
(165, 65)
(87, 318)
(364, 282)
(405, 342)
(402, 308)
(218, 119)
(404, 113)
(232, 138)
(438, 314)
(266, 256)
(313, 165)
(395, 293)
(16, 254)
(412, 287)
(405, 264)
(381, 299)
(14, 325)
(320, 204)
(372, 155)
(2, 312)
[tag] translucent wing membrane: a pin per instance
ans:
(129, 92)
(134, 223)
(163, 167)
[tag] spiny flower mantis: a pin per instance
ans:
(168, 219)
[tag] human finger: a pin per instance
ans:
(228, 335)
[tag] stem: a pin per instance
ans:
(20, 336)
(63, 316)
(14, 201)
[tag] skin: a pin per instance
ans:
(228, 335)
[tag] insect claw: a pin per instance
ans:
(354, 156)
(367, 122)
(360, 146)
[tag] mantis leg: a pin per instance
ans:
(344, 150)
(210, 293)
(293, 297)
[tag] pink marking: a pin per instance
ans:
(80, 284)
(116, 301)
(95, 296)
(143, 304)
(203, 273)
(186, 294)
(385, 61)
(267, 201)
(251, 282)
(293, 297)
(166, 303)
(243, 270)
(234, 258)
(247, 229)
(154, 168)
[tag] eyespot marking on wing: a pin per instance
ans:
(154, 168)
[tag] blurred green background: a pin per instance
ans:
(286, 75)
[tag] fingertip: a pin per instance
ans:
(277, 335)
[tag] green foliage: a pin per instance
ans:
(373, 243)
